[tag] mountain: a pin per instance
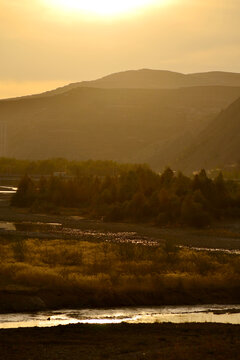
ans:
(216, 146)
(132, 125)
(155, 79)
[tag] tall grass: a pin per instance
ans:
(124, 273)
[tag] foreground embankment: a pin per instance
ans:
(128, 342)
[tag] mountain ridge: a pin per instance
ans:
(158, 79)
(151, 79)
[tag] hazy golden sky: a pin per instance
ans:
(43, 45)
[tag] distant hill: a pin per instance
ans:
(155, 79)
(132, 125)
(216, 146)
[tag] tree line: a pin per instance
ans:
(11, 166)
(137, 194)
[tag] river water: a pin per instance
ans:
(133, 315)
(7, 190)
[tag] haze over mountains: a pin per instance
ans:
(156, 79)
(159, 117)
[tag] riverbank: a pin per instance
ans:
(123, 342)
(224, 235)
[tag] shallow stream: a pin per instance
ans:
(172, 314)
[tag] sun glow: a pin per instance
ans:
(101, 7)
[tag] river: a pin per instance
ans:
(134, 315)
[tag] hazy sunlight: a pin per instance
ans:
(103, 8)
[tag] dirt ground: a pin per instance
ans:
(127, 342)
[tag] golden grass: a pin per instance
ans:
(131, 273)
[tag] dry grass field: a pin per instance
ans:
(66, 273)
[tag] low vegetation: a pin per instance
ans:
(112, 274)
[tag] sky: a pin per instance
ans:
(45, 44)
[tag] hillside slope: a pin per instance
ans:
(216, 146)
(117, 124)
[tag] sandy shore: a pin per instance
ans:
(127, 342)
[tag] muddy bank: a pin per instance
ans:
(11, 302)
(75, 227)
(126, 342)
(27, 301)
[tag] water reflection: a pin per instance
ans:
(213, 250)
(8, 190)
(37, 226)
(180, 314)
